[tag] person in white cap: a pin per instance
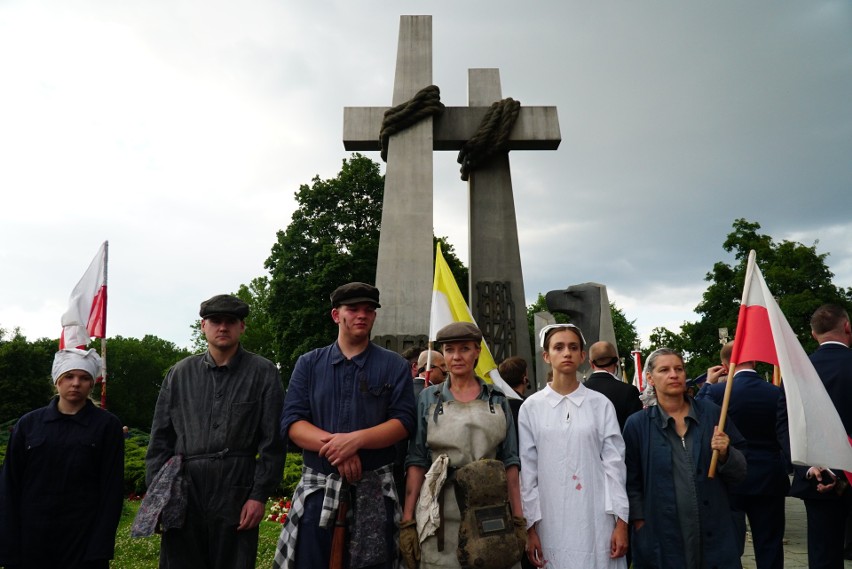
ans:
(572, 460)
(62, 481)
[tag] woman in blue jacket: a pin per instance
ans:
(680, 517)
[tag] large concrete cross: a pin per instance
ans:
(404, 268)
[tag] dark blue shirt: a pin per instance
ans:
(62, 488)
(342, 395)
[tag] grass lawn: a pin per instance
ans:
(144, 553)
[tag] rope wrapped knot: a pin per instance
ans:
(426, 103)
(491, 138)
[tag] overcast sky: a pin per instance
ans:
(179, 130)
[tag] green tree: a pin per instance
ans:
(460, 272)
(332, 238)
(24, 374)
(662, 337)
(797, 274)
(135, 371)
(626, 337)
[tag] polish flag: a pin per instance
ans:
(86, 315)
(817, 436)
(637, 367)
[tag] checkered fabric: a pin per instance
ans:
(312, 481)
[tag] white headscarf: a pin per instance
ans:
(73, 358)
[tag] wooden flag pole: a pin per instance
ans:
(733, 365)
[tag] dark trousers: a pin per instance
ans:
(208, 543)
(826, 528)
(313, 544)
(847, 543)
(766, 519)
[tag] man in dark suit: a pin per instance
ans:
(827, 498)
(752, 407)
(625, 397)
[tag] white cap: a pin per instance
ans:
(543, 333)
(73, 358)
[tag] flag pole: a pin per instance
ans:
(732, 366)
(428, 376)
(103, 340)
(637, 365)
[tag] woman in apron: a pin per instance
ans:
(459, 423)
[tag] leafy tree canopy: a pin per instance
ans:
(135, 371)
(795, 273)
(24, 374)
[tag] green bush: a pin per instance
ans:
(134, 466)
(292, 474)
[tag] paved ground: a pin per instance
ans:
(795, 539)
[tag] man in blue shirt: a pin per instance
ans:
(347, 405)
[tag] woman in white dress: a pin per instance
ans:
(572, 466)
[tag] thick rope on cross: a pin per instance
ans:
(426, 103)
(491, 138)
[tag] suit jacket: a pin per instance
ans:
(833, 363)
(624, 397)
(753, 407)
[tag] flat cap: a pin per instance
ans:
(354, 293)
(226, 305)
(459, 332)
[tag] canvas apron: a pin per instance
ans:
(465, 432)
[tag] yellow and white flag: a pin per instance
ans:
(448, 306)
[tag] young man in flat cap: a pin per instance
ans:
(347, 405)
(219, 410)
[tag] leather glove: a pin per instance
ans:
(409, 544)
(520, 524)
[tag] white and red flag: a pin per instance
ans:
(637, 370)
(86, 315)
(817, 436)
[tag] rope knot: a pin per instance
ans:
(425, 103)
(491, 138)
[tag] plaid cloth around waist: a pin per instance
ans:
(313, 481)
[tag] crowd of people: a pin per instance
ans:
(416, 461)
